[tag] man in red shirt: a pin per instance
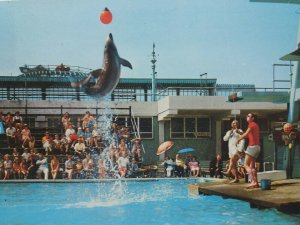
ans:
(253, 149)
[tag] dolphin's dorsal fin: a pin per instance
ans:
(126, 63)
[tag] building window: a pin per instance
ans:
(144, 125)
(177, 127)
(203, 127)
(192, 127)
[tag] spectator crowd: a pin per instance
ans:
(81, 152)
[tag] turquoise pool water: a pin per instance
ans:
(165, 202)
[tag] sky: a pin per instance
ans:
(234, 41)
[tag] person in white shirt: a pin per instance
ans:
(123, 163)
(169, 165)
(42, 164)
(10, 135)
(234, 149)
(80, 147)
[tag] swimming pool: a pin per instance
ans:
(164, 202)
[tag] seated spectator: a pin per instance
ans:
(80, 147)
(123, 163)
(7, 167)
(2, 123)
(133, 168)
(54, 164)
(124, 133)
(64, 144)
(56, 144)
(1, 168)
(26, 154)
(24, 170)
(88, 167)
(169, 166)
(18, 120)
(187, 168)
(87, 137)
(26, 136)
(69, 166)
(11, 135)
(16, 168)
(136, 149)
(32, 167)
(78, 168)
(18, 138)
(65, 120)
(123, 147)
(8, 118)
(216, 166)
(101, 169)
(179, 166)
(42, 164)
(70, 131)
(15, 154)
(87, 120)
(47, 142)
(31, 144)
(94, 139)
(80, 132)
(115, 132)
(194, 167)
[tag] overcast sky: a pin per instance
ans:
(235, 41)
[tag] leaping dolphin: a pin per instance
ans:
(108, 76)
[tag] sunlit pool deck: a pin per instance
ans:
(284, 195)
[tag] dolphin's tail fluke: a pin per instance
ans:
(126, 63)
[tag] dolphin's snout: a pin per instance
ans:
(110, 37)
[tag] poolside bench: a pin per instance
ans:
(204, 168)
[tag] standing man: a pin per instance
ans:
(253, 149)
(232, 136)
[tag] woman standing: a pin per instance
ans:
(253, 149)
(235, 148)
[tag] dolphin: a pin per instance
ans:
(108, 76)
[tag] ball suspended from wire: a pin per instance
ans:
(106, 16)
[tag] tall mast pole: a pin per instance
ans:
(153, 61)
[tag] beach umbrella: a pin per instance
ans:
(185, 150)
(165, 146)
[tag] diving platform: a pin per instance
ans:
(284, 195)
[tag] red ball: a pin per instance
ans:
(287, 128)
(106, 16)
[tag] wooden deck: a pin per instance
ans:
(284, 195)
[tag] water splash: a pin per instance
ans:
(118, 193)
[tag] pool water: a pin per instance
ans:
(157, 202)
